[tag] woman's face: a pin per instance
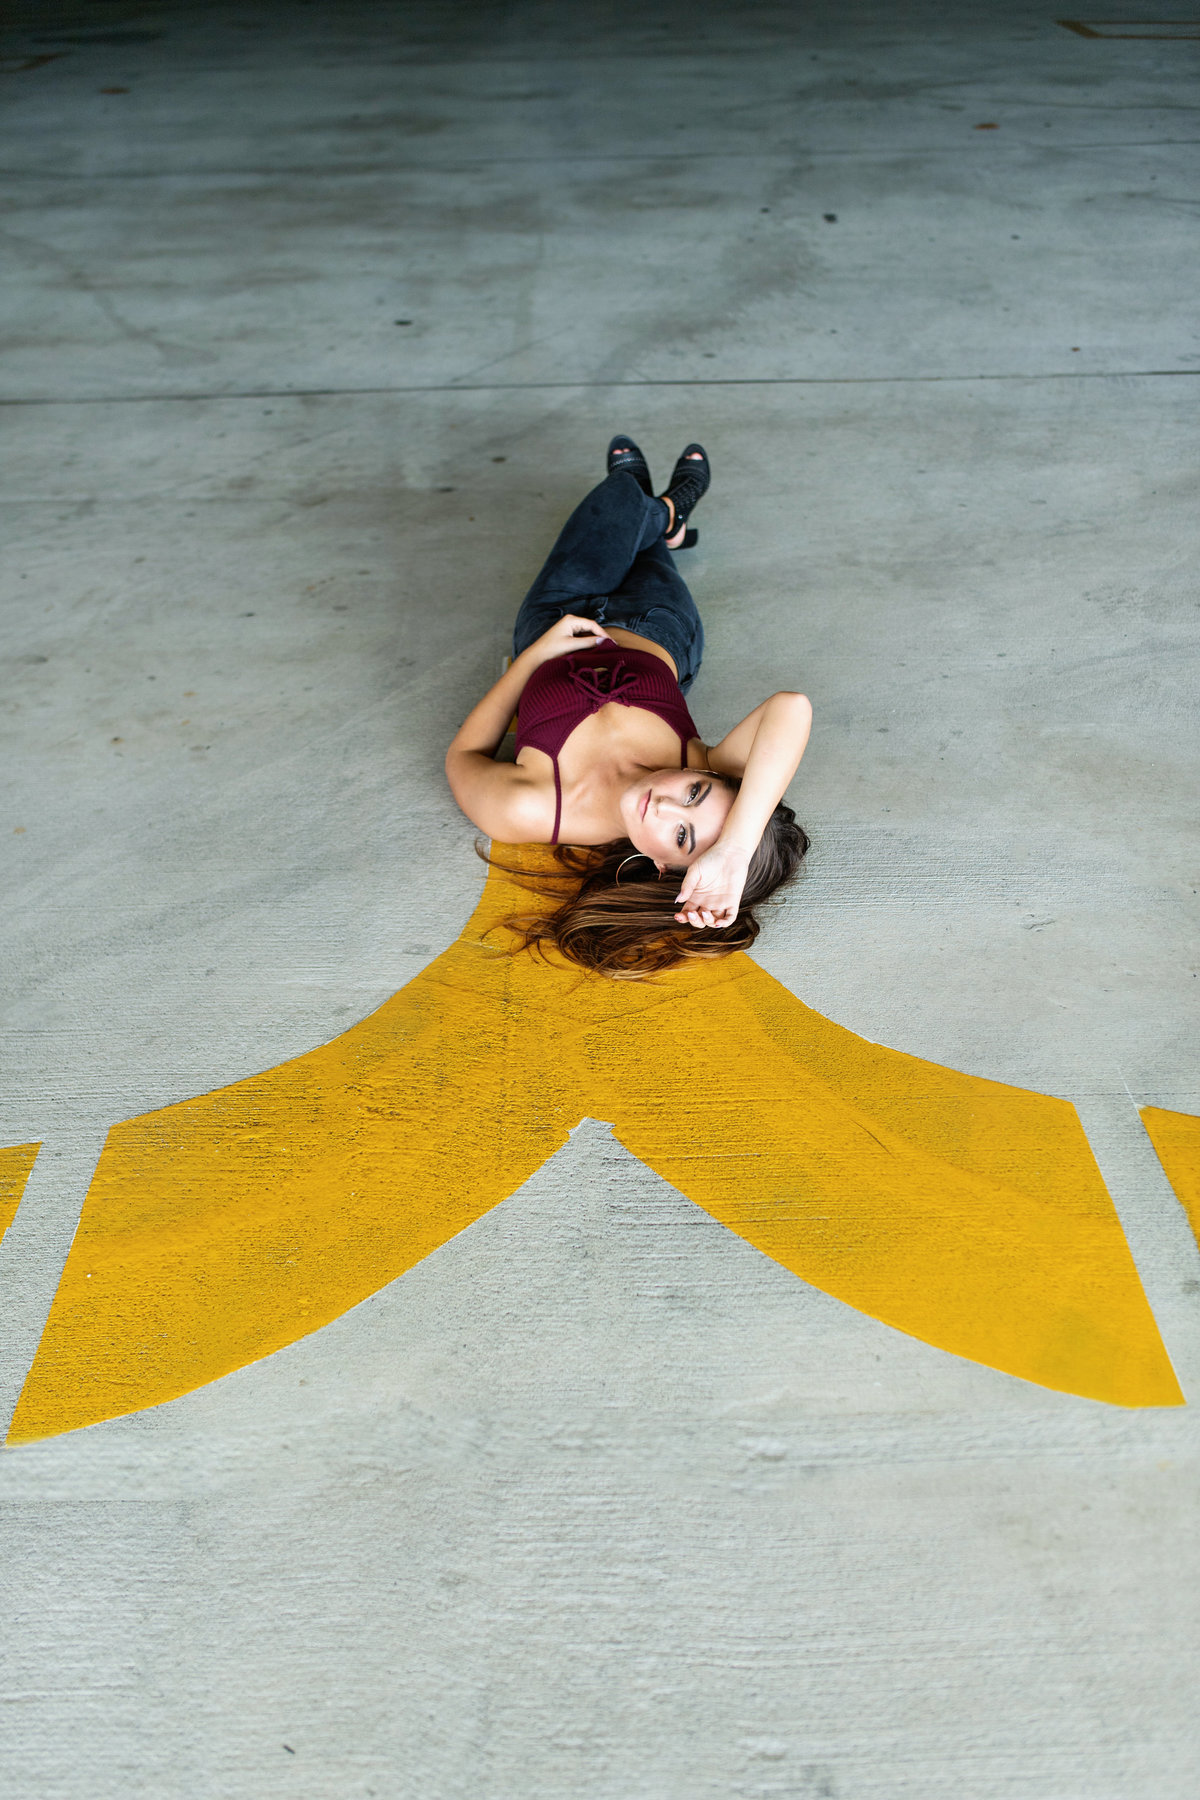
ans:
(674, 815)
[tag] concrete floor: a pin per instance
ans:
(597, 1501)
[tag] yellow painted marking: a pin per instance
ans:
(965, 1213)
(1176, 1139)
(16, 1164)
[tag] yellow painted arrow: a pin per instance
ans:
(963, 1212)
(16, 1165)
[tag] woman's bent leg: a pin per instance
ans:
(654, 601)
(595, 551)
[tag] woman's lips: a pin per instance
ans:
(645, 803)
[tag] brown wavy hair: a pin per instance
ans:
(629, 930)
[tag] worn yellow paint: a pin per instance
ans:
(966, 1213)
(16, 1165)
(1176, 1139)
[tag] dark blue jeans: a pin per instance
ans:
(611, 564)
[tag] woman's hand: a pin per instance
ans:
(567, 634)
(712, 887)
(470, 760)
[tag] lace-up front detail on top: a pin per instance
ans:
(564, 692)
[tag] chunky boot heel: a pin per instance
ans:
(623, 453)
(689, 484)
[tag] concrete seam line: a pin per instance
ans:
(520, 387)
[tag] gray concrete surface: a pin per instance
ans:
(597, 1501)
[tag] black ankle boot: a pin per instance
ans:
(623, 453)
(689, 484)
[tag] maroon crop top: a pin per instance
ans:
(569, 689)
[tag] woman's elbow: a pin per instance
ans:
(456, 767)
(799, 704)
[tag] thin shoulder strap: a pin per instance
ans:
(557, 800)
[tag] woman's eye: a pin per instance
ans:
(692, 792)
(679, 837)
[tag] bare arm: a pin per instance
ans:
(502, 798)
(765, 750)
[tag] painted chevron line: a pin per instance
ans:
(961, 1211)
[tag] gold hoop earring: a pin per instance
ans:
(637, 856)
